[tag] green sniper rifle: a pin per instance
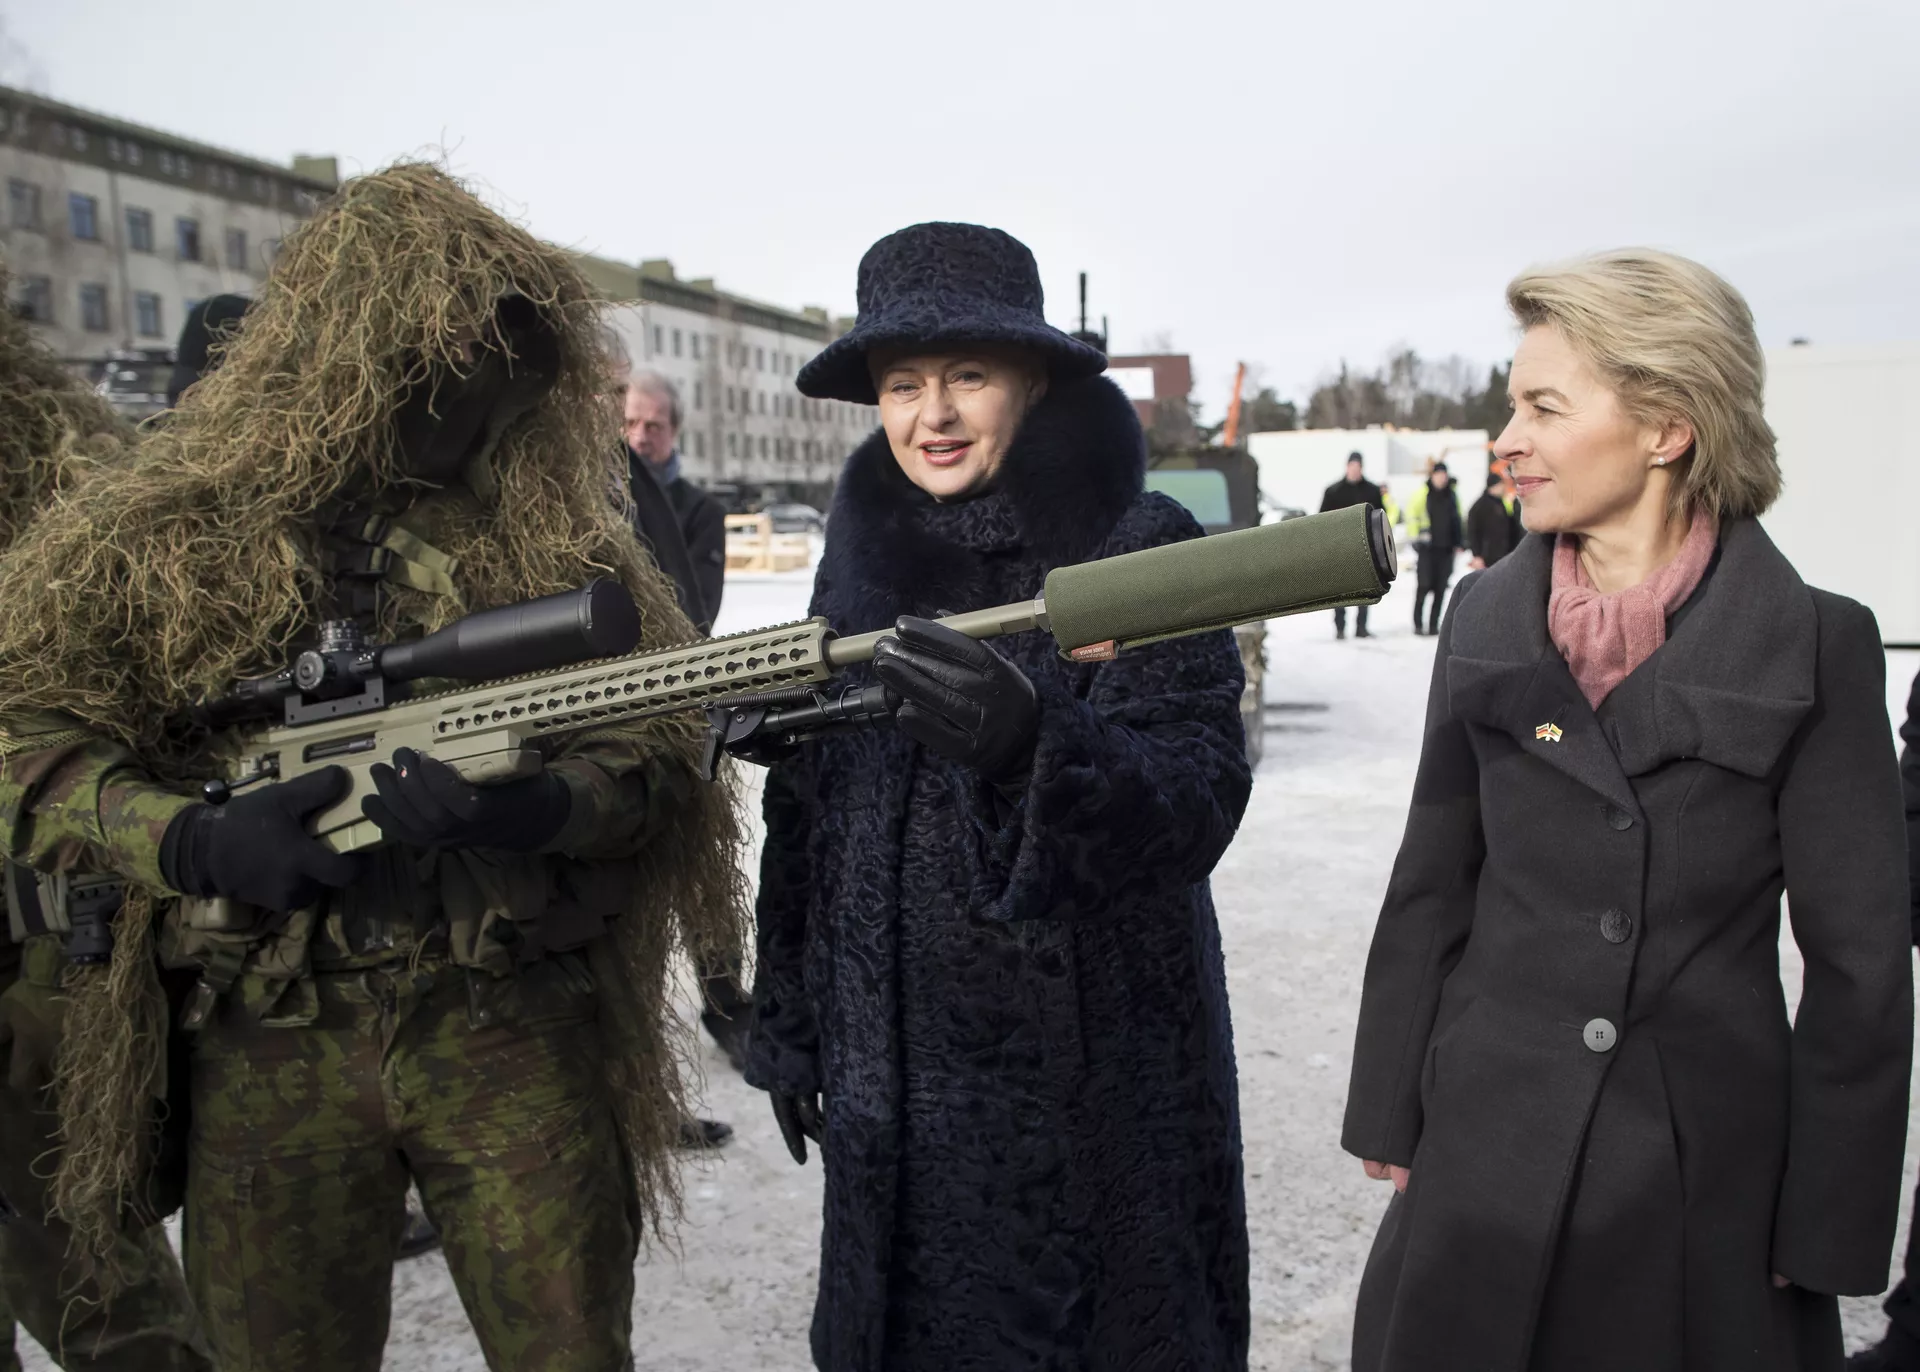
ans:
(548, 667)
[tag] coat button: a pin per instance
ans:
(1616, 926)
(1619, 818)
(1600, 1035)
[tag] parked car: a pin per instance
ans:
(796, 519)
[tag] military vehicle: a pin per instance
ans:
(1221, 487)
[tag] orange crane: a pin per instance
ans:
(1231, 433)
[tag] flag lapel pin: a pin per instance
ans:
(1547, 733)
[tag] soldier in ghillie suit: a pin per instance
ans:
(408, 427)
(53, 431)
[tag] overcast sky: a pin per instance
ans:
(1287, 184)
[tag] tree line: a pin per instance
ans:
(1407, 391)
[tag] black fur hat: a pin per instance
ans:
(938, 284)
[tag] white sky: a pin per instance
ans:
(1281, 183)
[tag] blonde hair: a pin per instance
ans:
(1674, 341)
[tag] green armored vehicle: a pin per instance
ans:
(1221, 487)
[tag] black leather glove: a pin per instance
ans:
(960, 698)
(799, 1119)
(256, 847)
(425, 804)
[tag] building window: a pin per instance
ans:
(113, 149)
(77, 139)
(698, 392)
(237, 249)
(23, 205)
(33, 298)
(699, 440)
(763, 445)
(729, 400)
(83, 216)
(187, 238)
(789, 407)
(260, 187)
(733, 445)
(696, 347)
(676, 342)
(182, 165)
(93, 308)
(166, 162)
(146, 314)
(760, 364)
(139, 229)
(762, 396)
(134, 155)
(659, 339)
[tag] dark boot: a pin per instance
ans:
(1899, 1351)
(419, 1236)
(698, 1134)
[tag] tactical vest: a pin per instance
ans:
(485, 911)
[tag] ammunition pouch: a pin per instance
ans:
(79, 908)
(363, 551)
(225, 939)
(490, 912)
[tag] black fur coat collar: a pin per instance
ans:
(1076, 465)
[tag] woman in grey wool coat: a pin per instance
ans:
(1611, 1147)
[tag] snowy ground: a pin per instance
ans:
(1297, 894)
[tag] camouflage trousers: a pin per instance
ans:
(150, 1323)
(486, 1093)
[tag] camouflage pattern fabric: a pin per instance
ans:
(488, 1093)
(73, 801)
(150, 1326)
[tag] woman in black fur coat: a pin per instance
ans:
(990, 983)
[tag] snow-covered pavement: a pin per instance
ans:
(1297, 894)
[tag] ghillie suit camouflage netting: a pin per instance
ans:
(53, 428)
(168, 578)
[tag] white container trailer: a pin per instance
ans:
(1297, 465)
(1849, 517)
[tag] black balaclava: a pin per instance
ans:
(449, 421)
(213, 322)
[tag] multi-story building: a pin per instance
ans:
(734, 361)
(111, 231)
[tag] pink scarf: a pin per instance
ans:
(1604, 637)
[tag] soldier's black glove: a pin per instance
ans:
(424, 803)
(799, 1119)
(960, 698)
(256, 847)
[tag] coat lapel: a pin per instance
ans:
(1730, 687)
(1737, 677)
(1504, 672)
